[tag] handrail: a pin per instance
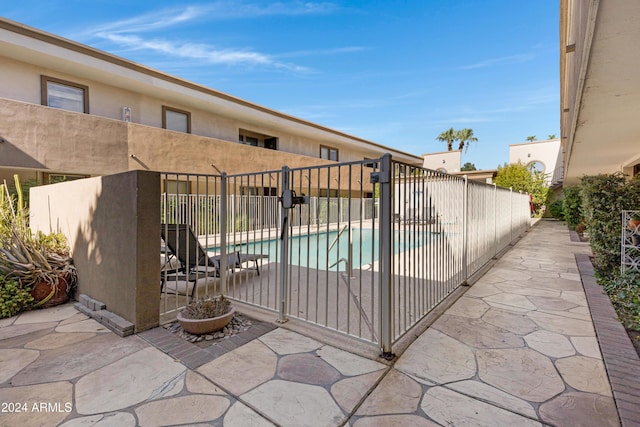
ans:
(344, 227)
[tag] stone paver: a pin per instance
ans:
(521, 372)
(450, 408)
(120, 419)
(129, 381)
(518, 348)
(573, 371)
(182, 410)
(295, 404)
(550, 344)
(396, 394)
(14, 360)
(437, 357)
(59, 394)
(242, 369)
(58, 340)
(580, 409)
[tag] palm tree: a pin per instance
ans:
(448, 136)
(531, 138)
(465, 136)
(552, 136)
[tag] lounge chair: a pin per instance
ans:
(182, 241)
(246, 258)
(192, 263)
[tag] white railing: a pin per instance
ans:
(630, 241)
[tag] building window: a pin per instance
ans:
(636, 169)
(248, 140)
(66, 95)
(536, 167)
(176, 186)
(257, 139)
(53, 178)
(329, 153)
(178, 120)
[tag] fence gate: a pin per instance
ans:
(365, 248)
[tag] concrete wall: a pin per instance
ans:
(112, 224)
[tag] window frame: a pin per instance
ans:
(329, 149)
(44, 92)
(166, 108)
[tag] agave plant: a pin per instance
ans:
(32, 259)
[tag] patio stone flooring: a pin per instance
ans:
(517, 349)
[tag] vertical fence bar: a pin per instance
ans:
(465, 225)
(284, 251)
(223, 233)
(386, 253)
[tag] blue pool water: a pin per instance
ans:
(313, 250)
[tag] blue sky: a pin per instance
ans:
(394, 72)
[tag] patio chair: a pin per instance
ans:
(193, 263)
(243, 258)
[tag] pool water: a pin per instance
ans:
(313, 250)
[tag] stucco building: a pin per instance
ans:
(68, 110)
(599, 87)
(540, 156)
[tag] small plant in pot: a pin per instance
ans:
(206, 315)
(634, 223)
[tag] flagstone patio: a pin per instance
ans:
(518, 348)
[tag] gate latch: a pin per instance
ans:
(289, 199)
(382, 177)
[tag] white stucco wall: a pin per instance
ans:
(548, 153)
(446, 161)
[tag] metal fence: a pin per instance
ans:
(630, 241)
(365, 248)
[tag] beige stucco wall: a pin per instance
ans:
(112, 224)
(20, 81)
(53, 140)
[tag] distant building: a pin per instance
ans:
(446, 161)
(540, 156)
(450, 161)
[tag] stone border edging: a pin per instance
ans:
(620, 357)
(97, 310)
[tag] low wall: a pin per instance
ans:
(108, 221)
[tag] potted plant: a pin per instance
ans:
(634, 223)
(206, 315)
(39, 263)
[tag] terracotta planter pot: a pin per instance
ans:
(41, 293)
(634, 224)
(205, 326)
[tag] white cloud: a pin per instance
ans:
(214, 11)
(200, 52)
(497, 62)
(127, 33)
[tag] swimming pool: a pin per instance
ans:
(316, 250)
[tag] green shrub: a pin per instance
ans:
(555, 209)
(624, 292)
(520, 178)
(603, 199)
(13, 299)
(572, 206)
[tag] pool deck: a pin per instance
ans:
(518, 348)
